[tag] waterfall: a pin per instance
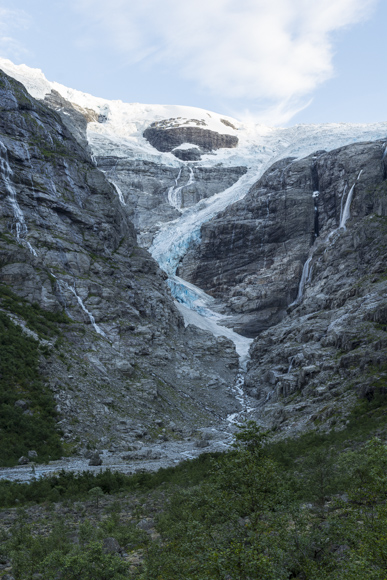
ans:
(306, 272)
(6, 174)
(174, 192)
(119, 192)
(316, 214)
(344, 216)
(347, 213)
(342, 202)
(91, 317)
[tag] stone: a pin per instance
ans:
(32, 454)
(22, 404)
(95, 460)
(23, 460)
(202, 443)
(146, 525)
(166, 138)
(110, 546)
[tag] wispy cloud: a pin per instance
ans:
(272, 54)
(11, 22)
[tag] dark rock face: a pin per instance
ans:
(166, 138)
(66, 243)
(95, 460)
(193, 154)
(251, 256)
(73, 117)
(318, 355)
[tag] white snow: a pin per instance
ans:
(185, 146)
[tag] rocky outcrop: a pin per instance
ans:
(66, 242)
(251, 256)
(74, 117)
(165, 137)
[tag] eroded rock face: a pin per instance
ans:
(330, 347)
(308, 370)
(74, 117)
(251, 256)
(167, 138)
(126, 359)
(148, 188)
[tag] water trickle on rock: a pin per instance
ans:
(347, 208)
(20, 223)
(86, 311)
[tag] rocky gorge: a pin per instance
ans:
(127, 368)
(174, 244)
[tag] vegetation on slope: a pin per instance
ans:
(29, 425)
(308, 509)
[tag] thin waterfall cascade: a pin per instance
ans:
(385, 151)
(347, 208)
(174, 192)
(119, 192)
(316, 195)
(345, 214)
(266, 219)
(91, 317)
(110, 180)
(291, 363)
(342, 202)
(6, 174)
(305, 277)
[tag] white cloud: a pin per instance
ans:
(11, 22)
(264, 51)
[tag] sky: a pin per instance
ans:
(279, 62)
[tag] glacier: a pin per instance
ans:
(119, 134)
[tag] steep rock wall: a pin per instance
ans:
(66, 243)
(251, 256)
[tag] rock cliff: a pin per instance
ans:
(252, 254)
(168, 136)
(155, 193)
(125, 364)
(301, 264)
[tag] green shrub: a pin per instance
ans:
(20, 380)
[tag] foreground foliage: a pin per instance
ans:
(251, 521)
(255, 513)
(22, 430)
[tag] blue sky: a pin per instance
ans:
(281, 62)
